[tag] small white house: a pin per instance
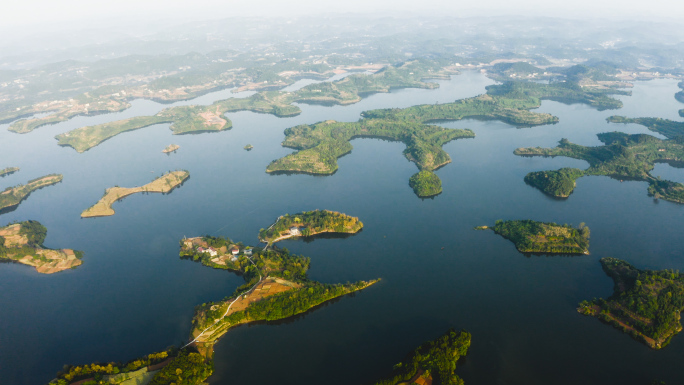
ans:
(248, 251)
(212, 251)
(235, 250)
(295, 230)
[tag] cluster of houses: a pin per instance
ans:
(233, 250)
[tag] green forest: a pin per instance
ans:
(425, 184)
(538, 237)
(311, 223)
(646, 304)
(436, 359)
(320, 145)
(666, 127)
(559, 184)
(624, 156)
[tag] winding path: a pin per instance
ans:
(227, 310)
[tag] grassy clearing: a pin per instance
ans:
(163, 184)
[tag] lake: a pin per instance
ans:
(133, 295)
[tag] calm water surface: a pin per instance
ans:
(133, 295)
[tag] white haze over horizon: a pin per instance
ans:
(69, 14)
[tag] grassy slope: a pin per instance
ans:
(163, 184)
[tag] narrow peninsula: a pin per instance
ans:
(23, 243)
(433, 362)
(626, 157)
(646, 304)
(12, 196)
(164, 184)
(8, 171)
(538, 237)
(309, 223)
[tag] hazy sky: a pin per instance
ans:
(26, 13)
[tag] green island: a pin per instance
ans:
(164, 184)
(559, 184)
(425, 184)
(668, 128)
(194, 119)
(433, 362)
(276, 287)
(12, 196)
(309, 223)
(23, 243)
(538, 237)
(646, 304)
(8, 171)
(320, 145)
(626, 157)
(248, 147)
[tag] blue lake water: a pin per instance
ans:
(133, 295)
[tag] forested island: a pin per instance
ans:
(426, 184)
(646, 304)
(23, 243)
(629, 157)
(310, 223)
(433, 362)
(559, 184)
(8, 171)
(197, 118)
(539, 237)
(164, 184)
(12, 196)
(320, 145)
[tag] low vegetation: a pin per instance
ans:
(539, 237)
(434, 362)
(12, 196)
(426, 184)
(8, 171)
(310, 223)
(85, 138)
(623, 156)
(164, 184)
(23, 243)
(646, 304)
